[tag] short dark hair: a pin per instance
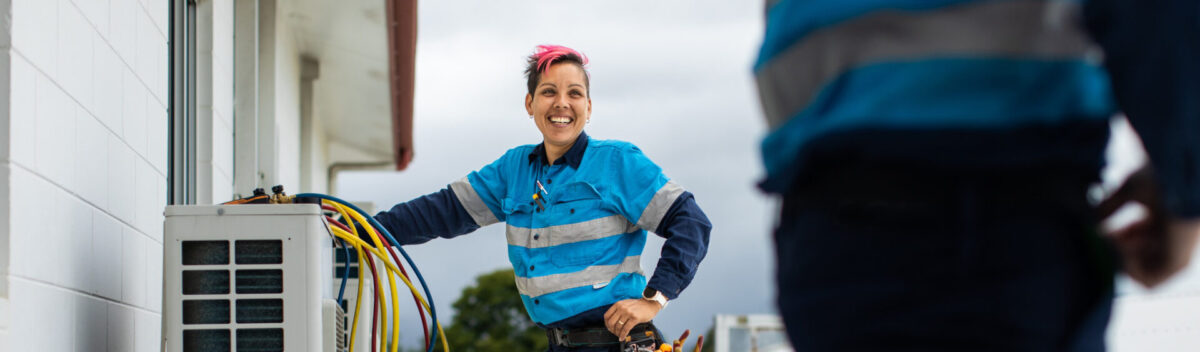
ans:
(546, 55)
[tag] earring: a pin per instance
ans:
(530, 116)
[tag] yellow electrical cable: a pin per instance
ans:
(391, 268)
(393, 294)
(367, 246)
(359, 242)
(358, 247)
(382, 304)
(357, 297)
(358, 294)
(358, 217)
(379, 299)
(350, 220)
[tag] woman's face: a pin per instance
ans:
(560, 105)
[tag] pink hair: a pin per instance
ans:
(547, 54)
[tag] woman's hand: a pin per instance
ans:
(1157, 246)
(624, 315)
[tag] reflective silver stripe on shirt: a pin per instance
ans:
(662, 201)
(1018, 29)
(614, 225)
(472, 203)
(593, 275)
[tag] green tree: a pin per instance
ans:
(490, 317)
(710, 339)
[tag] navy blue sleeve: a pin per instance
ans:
(686, 229)
(438, 214)
(1152, 53)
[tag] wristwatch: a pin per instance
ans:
(654, 296)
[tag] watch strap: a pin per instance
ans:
(658, 297)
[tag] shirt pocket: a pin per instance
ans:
(580, 205)
(517, 215)
(576, 200)
(512, 206)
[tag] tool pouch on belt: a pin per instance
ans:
(646, 341)
(644, 334)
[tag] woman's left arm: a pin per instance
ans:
(661, 206)
(686, 229)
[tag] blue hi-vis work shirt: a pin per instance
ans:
(980, 83)
(580, 250)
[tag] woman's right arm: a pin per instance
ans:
(463, 206)
(438, 214)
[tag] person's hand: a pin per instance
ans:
(1156, 246)
(625, 314)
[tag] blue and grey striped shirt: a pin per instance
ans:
(980, 83)
(580, 250)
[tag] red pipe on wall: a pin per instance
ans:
(402, 60)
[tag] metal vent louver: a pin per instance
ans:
(214, 285)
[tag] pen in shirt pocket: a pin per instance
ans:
(544, 192)
(540, 195)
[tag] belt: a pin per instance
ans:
(597, 336)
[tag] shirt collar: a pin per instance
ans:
(572, 157)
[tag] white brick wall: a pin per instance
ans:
(84, 170)
(83, 163)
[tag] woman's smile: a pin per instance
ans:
(561, 121)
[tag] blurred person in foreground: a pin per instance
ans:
(934, 159)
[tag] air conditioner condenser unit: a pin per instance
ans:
(257, 277)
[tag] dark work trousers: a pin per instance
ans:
(981, 261)
(614, 348)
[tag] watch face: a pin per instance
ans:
(649, 293)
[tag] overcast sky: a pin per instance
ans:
(672, 77)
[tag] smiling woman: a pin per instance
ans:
(577, 212)
(558, 100)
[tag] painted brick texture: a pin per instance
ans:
(85, 170)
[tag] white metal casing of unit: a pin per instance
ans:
(246, 278)
(332, 333)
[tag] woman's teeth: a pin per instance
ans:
(560, 119)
